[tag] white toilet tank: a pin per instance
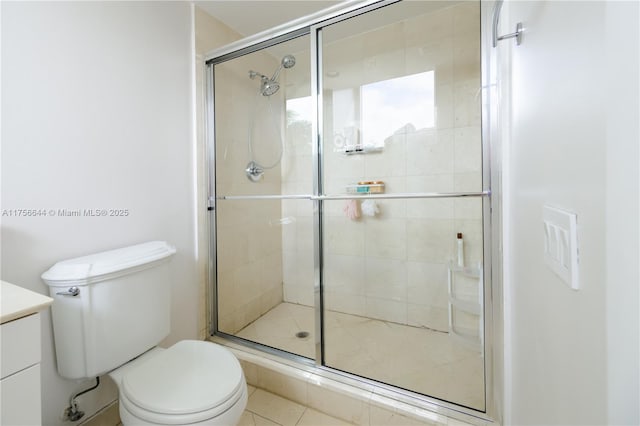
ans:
(109, 307)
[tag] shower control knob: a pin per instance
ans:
(254, 171)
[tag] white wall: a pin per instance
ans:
(573, 144)
(96, 114)
(623, 212)
(209, 33)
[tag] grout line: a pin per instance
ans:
(301, 415)
(251, 392)
(262, 417)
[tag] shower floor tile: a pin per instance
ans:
(279, 326)
(418, 359)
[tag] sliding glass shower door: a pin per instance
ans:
(350, 196)
(401, 119)
(264, 228)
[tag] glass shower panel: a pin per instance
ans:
(264, 226)
(265, 273)
(401, 118)
(401, 99)
(264, 122)
(398, 308)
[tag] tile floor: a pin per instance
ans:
(267, 409)
(418, 359)
(263, 409)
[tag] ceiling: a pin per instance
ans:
(249, 17)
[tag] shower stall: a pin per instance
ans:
(350, 196)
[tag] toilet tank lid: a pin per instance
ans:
(80, 270)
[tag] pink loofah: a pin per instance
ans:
(352, 209)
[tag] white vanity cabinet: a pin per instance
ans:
(20, 354)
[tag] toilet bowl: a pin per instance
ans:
(192, 382)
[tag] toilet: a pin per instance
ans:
(110, 312)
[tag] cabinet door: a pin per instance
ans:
(20, 344)
(20, 396)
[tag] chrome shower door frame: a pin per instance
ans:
(493, 327)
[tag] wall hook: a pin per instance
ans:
(517, 35)
(496, 18)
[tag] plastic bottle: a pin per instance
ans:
(460, 243)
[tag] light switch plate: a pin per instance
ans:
(561, 244)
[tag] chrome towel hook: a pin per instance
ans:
(496, 18)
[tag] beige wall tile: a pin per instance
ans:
(386, 239)
(444, 105)
(339, 405)
(467, 150)
(345, 274)
(387, 310)
(390, 162)
(430, 240)
(427, 295)
(467, 182)
(386, 279)
(431, 154)
(382, 417)
(468, 208)
(312, 417)
(427, 283)
(294, 389)
(344, 236)
(433, 317)
(341, 302)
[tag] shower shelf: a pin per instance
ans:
(365, 188)
(361, 150)
(471, 304)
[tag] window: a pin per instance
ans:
(399, 105)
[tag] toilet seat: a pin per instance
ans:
(141, 416)
(190, 382)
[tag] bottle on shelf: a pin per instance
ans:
(460, 244)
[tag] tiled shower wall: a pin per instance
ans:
(393, 266)
(249, 261)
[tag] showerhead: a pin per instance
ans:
(269, 86)
(288, 61)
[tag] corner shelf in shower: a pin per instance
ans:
(471, 304)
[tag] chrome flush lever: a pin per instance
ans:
(496, 18)
(73, 291)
